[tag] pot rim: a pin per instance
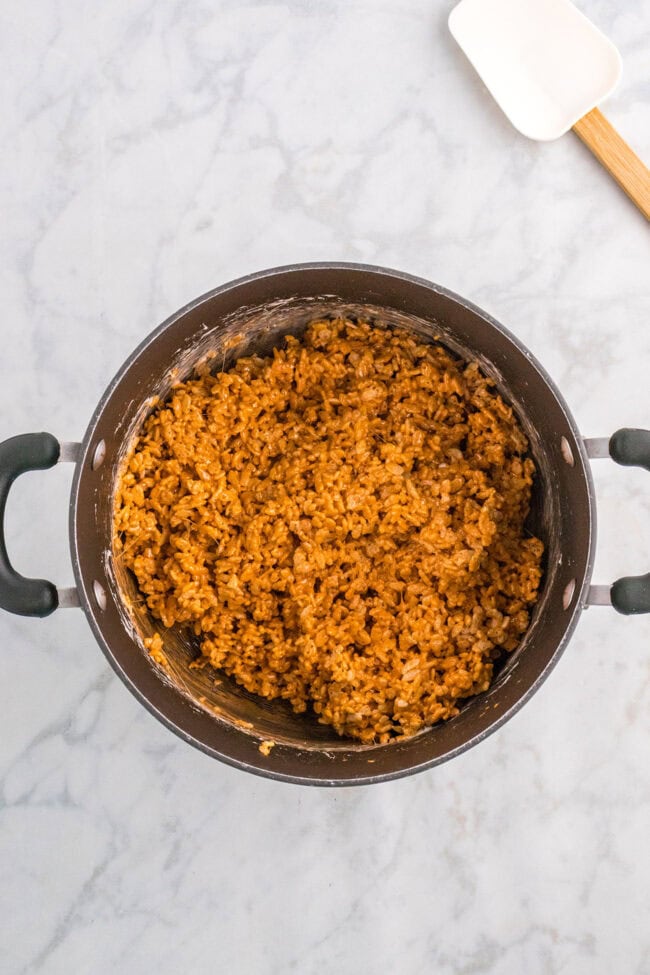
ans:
(85, 596)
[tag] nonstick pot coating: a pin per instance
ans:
(252, 315)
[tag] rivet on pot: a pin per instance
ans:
(100, 594)
(567, 595)
(567, 453)
(99, 455)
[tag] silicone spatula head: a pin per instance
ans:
(542, 60)
(549, 68)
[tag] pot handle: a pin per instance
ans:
(631, 448)
(28, 452)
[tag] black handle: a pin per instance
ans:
(631, 448)
(29, 452)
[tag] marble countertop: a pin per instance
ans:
(151, 152)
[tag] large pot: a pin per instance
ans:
(252, 314)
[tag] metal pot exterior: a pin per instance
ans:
(252, 314)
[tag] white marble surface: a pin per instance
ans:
(150, 152)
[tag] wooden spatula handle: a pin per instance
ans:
(617, 157)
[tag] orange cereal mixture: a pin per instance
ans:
(341, 524)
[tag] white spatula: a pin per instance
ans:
(549, 68)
